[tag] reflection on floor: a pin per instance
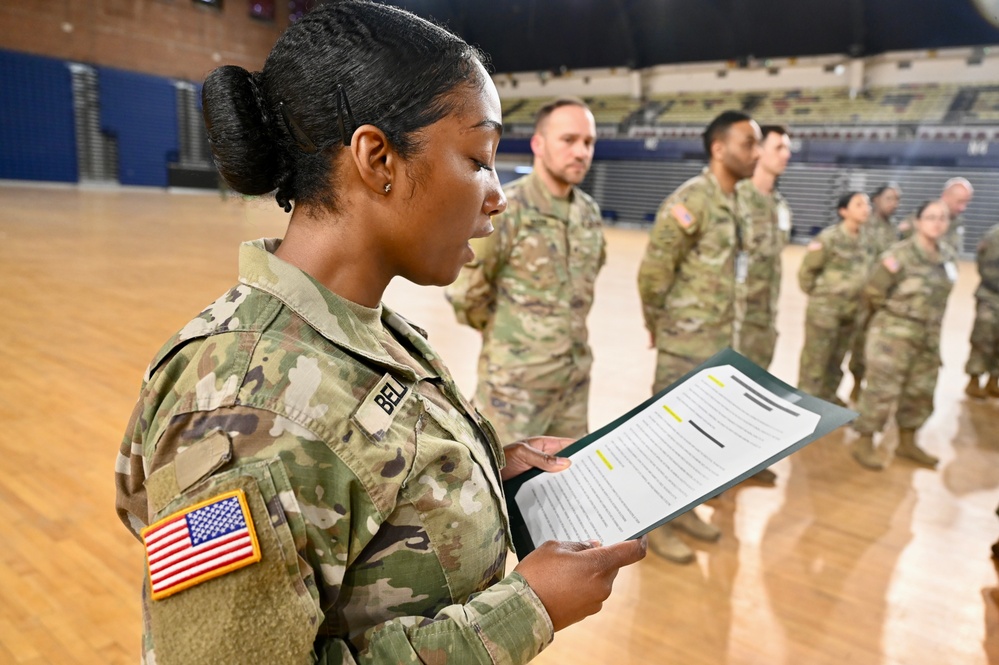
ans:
(833, 564)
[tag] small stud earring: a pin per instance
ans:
(388, 187)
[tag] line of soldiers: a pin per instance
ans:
(709, 279)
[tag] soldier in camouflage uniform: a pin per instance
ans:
(307, 482)
(767, 229)
(688, 275)
(530, 287)
(878, 234)
(956, 195)
(832, 273)
(984, 357)
(908, 292)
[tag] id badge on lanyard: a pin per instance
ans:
(741, 267)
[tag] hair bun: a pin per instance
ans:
(237, 117)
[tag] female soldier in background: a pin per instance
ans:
(308, 482)
(908, 293)
(832, 274)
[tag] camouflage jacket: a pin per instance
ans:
(908, 291)
(988, 266)
(530, 287)
(372, 487)
(878, 234)
(834, 270)
(687, 277)
(766, 231)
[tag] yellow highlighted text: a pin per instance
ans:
(720, 384)
(673, 413)
(606, 461)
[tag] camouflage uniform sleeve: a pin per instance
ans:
(812, 265)
(670, 240)
(314, 520)
(473, 293)
(905, 227)
(881, 283)
(988, 260)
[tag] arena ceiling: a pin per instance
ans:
(536, 35)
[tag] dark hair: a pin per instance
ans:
(343, 65)
(558, 103)
(772, 129)
(844, 201)
(884, 188)
(719, 127)
(924, 205)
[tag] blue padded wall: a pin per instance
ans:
(37, 136)
(141, 111)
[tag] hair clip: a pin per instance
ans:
(302, 139)
(343, 106)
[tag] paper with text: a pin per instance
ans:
(713, 427)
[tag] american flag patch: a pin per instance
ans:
(200, 542)
(682, 215)
(891, 263)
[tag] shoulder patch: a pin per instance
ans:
(813, 246)
(200, 542)
(682, 215)
(891, 263)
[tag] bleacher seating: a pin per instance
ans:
(925, 111)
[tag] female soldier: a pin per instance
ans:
(908, 292)
(308, 482)
(832, 273)
(878, 234)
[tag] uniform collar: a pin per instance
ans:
(944, 254)
(329, 314)
(543, 200)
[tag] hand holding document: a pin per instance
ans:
(718, 425)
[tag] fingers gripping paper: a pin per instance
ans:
(715, 426)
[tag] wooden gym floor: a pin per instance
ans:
(834, 564)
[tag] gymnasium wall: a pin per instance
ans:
(176, 38)
(37, 136)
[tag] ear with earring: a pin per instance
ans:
(388, 187)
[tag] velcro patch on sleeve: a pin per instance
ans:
(200, 542)
(813, 246)
(682, 215)
(376, 412)
(891, 263)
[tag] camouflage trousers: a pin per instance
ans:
(757, 343)
(857, 365)
(517, 412)
(827, 339)
(901, 373)
(669, 368)
(984, 356)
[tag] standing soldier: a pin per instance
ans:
(530, 286)
(984, 357)
(687, 279)
(878, 234)
(766, 232)
(832, 274)
(908, 292)
(956, 196)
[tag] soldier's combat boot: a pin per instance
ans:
(992, 387)
(974, 389)
(664, 542)
(855, 393)
(867, 454)
(908, 449)
(693, 525)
